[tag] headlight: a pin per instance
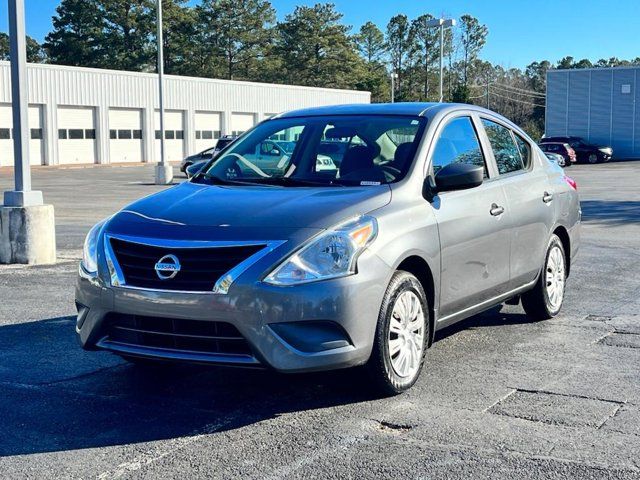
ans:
(332, 254)
(90, 250)
(606, 150)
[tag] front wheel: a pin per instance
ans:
(401, 336)
(544, 301)
(592, 158)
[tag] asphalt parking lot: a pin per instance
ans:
(501, 397)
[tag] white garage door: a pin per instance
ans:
(76, 135)
(125, 135)
(173, 134)
(241, 122)
(36, 135)
(207, 125)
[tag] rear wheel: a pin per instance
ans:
(401, 336)
(544, 301)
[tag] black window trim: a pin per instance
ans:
(492, 170)
(501, 176)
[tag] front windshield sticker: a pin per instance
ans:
(366, 183)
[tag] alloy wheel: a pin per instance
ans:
(406, 334)
(593, 158)
(555, 277)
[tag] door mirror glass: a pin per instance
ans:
(458, 176)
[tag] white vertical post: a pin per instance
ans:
(441, 57)
(22, 195)
(27, 227)
(393, 86)
(164, 171)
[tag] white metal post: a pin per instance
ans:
(22, 195)
(441, 57)
(393, 86)
(441, 23)
(27, 233)
(164, 172)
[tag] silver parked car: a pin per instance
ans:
(433, 213)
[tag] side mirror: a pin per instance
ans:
(458, 176)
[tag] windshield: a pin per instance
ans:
(324, 151)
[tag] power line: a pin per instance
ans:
(517, 101)
(517, 89)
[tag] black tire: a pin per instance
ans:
(536, 302)
(385, 379)
(567, 163)
(592, 158)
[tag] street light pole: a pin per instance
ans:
(164, 171)
(441, 23)
(27, 227)
(441, 57)
(393, 86)
(22, 195)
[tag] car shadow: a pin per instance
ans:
(493, 317)
(57, 397)
(610, 212)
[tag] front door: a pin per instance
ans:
(474, 226)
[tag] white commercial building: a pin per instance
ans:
(87, 115)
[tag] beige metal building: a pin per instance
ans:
(87, 116)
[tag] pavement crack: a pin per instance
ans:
(613, 414)
(572, 395)
(501, 399)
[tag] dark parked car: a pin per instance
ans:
(585, 152)
(562, 149)
(205, 155)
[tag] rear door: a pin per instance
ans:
(473, 224)
(529, 198)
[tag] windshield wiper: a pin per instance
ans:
(302, 182)
(225, 181)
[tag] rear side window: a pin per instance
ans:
(458, 143)
(524, 149)
(505, 150)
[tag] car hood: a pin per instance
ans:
(263, 207)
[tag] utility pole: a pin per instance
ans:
(27, 227)
(164, 171)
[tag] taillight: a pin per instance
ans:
(572, 183)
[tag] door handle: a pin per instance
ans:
(547, 197)
(496, 210)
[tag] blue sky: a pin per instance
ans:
(520, 31)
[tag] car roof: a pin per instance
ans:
(399, 108)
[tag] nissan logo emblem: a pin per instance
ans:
(167, 267)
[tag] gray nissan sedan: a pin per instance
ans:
(377, 226)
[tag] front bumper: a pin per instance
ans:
(315, 326)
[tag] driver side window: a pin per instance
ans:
(458, 143)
